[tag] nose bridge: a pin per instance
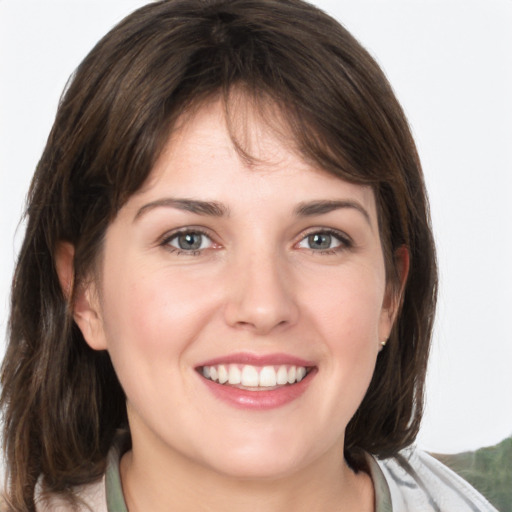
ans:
(261, 295)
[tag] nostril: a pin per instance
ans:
(258, 297)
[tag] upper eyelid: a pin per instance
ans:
(171, 234)
(344, 237)
(165, 241)
(168, 235)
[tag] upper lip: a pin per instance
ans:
(258, 360)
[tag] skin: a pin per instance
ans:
(257, 285)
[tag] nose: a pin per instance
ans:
(261, 295)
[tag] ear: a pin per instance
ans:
(84, 299)
(394, 293)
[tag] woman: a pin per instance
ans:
(225, 295)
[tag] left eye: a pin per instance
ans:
(189, 241)
(321, 241)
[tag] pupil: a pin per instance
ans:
(190, 241)
(319, 241)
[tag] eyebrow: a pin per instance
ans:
(210, 208)
(216, 209)
(322, 207)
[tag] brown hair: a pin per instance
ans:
(62, 401)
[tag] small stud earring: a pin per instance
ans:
(383, 343)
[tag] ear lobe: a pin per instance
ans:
(83, 299)
(394, 293)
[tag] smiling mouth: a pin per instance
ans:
(254, 378)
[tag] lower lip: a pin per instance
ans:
(259, 400)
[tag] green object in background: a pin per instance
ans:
(489, 470)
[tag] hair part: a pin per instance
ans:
(62, 401)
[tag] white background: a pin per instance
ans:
(450, 62)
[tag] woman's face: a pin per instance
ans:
(242, 305)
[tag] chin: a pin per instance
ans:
(260, 459)
(257, 469)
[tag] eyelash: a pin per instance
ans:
(167, 239)
(344, 241)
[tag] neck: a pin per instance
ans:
(158, 481)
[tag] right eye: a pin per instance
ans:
(189, 241)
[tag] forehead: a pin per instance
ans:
(238, 150)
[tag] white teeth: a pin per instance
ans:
(282, 376)
(268, 377)
(223, 374)
(249, 376)
(254, 376)
(235, 375)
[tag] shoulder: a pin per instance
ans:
(89, 498)
(417, 481)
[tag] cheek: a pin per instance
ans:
(150, 310)
(349, 305)
(149, 322)
(348, 315)
(345, 315)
